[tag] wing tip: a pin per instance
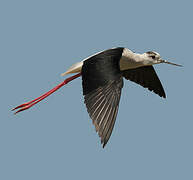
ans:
(103, 142)
(161, 94)
(164, 96)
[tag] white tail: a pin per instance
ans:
(75, 68)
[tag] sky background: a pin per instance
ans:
(39, 40)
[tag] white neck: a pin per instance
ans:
(131, 60)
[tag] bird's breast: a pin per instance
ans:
(130, 60)
(129, 63)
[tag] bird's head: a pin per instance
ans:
(152, 57)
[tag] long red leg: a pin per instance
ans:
(29, 104)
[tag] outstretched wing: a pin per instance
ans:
(102, 83)
(146, 77)
(102, 105)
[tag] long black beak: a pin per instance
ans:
(167, 62)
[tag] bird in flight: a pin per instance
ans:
(102, 82)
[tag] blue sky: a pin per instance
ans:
(39, 40)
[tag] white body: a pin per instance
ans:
(129, 60)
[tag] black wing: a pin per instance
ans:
(102, 83)
(146, 77)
